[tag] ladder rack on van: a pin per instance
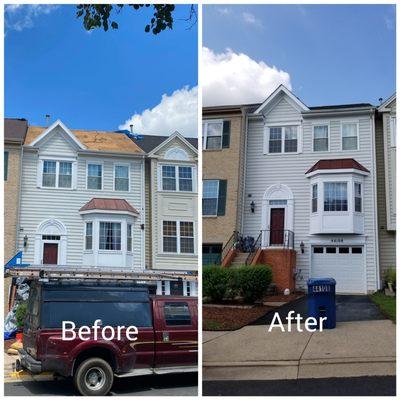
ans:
(79, 273)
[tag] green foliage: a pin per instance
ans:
(215, 282)
(20, 314)
(249, 282)
(252, 282)
(387, 304)
(99, 15)
(390, 276)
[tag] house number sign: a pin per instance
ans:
(338, 240)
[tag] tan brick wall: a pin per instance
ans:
(11, 199)
(224, 164)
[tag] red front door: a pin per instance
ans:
(277, 226)
(50, 253)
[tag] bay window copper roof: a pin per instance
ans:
(109, 205)
(342, 163)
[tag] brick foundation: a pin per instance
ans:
(283, 264)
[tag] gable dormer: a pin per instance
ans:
(282, 116)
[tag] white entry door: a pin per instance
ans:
(346, 264)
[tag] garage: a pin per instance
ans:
(346, 264)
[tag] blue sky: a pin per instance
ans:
(333, 54)
(97, 80)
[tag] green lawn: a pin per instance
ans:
(386, 304)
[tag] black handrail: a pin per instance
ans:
(279, 238)
(230, 244)
(253, 250)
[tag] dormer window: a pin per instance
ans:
(282, 139)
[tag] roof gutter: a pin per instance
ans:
(341, 112)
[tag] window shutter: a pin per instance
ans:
(226, 134)
(222, 197)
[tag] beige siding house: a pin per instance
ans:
(14, 136)
(172, 208)
(386, 135)
(223, 162)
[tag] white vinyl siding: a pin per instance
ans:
(262, 172)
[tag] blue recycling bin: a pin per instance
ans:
(321, 300)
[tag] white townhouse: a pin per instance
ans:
(171, 204)
(310, 185)
(82, 199)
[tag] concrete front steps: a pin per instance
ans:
(239, 260)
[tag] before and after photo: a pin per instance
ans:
(199, 199)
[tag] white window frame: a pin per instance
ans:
(283, 127)
(348, 197)
(362, 196)
(57, 161)
(312, 198)
(177, 166)
(358, 134)
(178, 237)
(127, 237)
(212, 121)
(121, 164)
(122, 236)
(393, 133)
(102, 175)
(85, 235)
(216, 209)
(318, 124)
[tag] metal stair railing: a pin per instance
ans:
(253, 250)
(230, 244)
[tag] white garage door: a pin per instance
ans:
(343, 263)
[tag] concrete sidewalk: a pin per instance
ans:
(361, 348)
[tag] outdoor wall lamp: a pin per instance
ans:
(252, 206)
(25, 241)
(302, 247)
(142, 227)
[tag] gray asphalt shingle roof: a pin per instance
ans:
(150, 142)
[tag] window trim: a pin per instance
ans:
(316, 124)
(57, 161)
(347, 198)
(85, 235)
(121, 164)
(99, 250)
(216, 208)
(204, 138)
(283, 126)
(178, 237)
(101, 163)
(160, 175)
(341, 134)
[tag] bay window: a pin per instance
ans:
(129, 237)
(89, 236)
(314, 200)
(357, 197)
(321, 138)
(110, 236)
(283, 139)
(335, 196)
(349, 136)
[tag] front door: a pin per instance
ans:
(277, 226)
(50, 253)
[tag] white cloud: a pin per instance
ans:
(22, 16)
(250, 19)
(224, 10)
(177, 112)
(235, 78)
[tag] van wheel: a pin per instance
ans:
(94, 377)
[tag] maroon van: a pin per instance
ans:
(166, 341)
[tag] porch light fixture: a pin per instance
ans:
(252, 206)
(302, 247)
(25, 241)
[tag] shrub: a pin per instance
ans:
(20, 314)
(215, 282)
(252, 282)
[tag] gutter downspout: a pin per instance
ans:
(19, 198)
(244, 132)
(375, 194)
